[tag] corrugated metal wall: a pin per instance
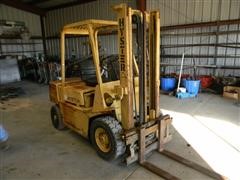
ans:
(174, 12)
(56, 19)
(32, 21)
(197, 44)
(11, 46)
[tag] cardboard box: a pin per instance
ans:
(232, 92)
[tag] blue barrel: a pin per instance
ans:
(183, 82)
(3, 134)
(168, 84)
(192, 86)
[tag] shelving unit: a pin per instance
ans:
(213, 46)
(18, 46)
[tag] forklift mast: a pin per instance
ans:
(148, 53)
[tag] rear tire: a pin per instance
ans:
(105, 135)
(57, 120)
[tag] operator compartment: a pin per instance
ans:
(79, 94)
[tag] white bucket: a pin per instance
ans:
(182, 89)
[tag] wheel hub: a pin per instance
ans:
(102, 140)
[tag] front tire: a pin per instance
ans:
(56, 117)
(105, 135)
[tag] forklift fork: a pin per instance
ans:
(158, 128)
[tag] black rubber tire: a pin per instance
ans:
(114, 131)
(56, 117)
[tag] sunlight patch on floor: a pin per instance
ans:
(219, 154)
(226, 130)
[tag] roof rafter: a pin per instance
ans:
(68, 4)
(34, 2)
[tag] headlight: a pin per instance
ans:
(108, 99)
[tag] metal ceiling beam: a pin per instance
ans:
(69, 4)
(34, 2)
(23, 6)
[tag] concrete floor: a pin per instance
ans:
(209, 123)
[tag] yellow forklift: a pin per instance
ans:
(120, 116)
